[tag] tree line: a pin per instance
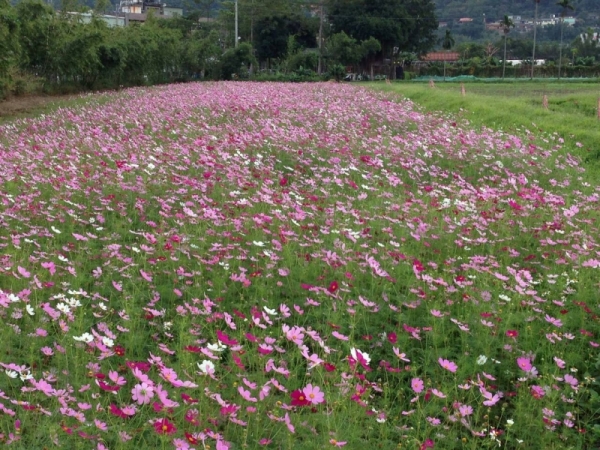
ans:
(53, 51)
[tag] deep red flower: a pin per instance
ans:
(163, 426)
(116, 411)
(120, 350)
(190, 438)
(329, 367)
(187, 399)
(192, 348)
(299, 399)
(512, 333)
(226, 340)
(283, 181)
(143, 366)
(333, 287)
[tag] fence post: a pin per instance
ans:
(462, 89)
(545, 101)
(431, 83)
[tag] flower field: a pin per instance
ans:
(293, 267)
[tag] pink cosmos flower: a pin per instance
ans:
(524, 364)
(448, 365)
(559, 362)
(417, 385)
(537, 392)
(142, 393)
(314, 394)
(572, 381)
(465, 410)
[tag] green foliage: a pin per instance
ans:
(337, 72)
(272, 34)
(305, 60)
(409, 25)
(9, 43)
(235, 62)
(586, 46)
(448, 41)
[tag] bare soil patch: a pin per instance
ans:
(28, 104)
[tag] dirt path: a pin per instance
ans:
(19, 106)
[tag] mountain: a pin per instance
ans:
(452, 10)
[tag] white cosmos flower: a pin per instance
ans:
(206, 366)
(218, 347)
(108, 341)
(85, 337)
(63, 308)
(269, 311)
(482, 360)
(11, 373)
(30, 310)
(56, 230)
(258, 243)
(26, 375)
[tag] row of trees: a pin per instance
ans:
(58, 50)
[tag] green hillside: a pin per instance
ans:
(449, 10)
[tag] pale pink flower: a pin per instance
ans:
(142, 393)
(313, 394)
(448, 365)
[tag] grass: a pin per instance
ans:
(245, 265)
(515, 106)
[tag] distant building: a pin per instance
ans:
(140, 8)
(110, 20)
(518, 62)
(441, 56)
(465, 20)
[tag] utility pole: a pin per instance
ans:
(236, 23)
(320, 66)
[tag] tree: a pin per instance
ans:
(273, 33)
(535, 20)
(407, 25)
(9, 40)
(586, 46)
(235, 61)
(506, 24)
(447, 44)
(370, 48)
(206, 6)
(565, 5)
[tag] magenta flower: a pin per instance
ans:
(142, 393)
(537, 392)
(417, 385)
(524, 364)
(448, 365)
(313, 394)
